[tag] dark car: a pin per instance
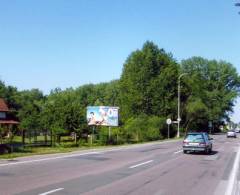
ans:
(197, 142)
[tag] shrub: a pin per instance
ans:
(144, 128)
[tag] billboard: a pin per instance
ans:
(102, 115)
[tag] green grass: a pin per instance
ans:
(29, 151)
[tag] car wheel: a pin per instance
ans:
(207, 151)
(184, 151)
(210, 150)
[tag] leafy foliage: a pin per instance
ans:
(212, 87)
(148, 82)
(146, 94)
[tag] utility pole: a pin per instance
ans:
(179, 96)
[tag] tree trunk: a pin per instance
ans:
(23, 137)
(45, 136)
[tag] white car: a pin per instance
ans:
(237, 130)
(231, 133)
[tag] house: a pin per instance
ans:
(7, 121)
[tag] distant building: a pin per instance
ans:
(6, 118)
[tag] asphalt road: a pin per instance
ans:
(157, 168)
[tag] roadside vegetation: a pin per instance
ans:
(146, 94)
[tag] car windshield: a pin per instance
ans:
(194, 138)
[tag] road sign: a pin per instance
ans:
(169, 121)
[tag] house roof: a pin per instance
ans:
(3, 106)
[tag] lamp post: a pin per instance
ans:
(179, 93)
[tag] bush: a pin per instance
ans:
(103, 136)
(115, 136)
(144, 128)
(154, 125)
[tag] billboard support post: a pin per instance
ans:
(109, 133)
(91, 140)
(92, 136)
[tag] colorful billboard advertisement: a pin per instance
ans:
(102, 115)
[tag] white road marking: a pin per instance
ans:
(52, 191)
(147, 162)
(233, 175)
(178, 151)
(47, 159)
(101, 152)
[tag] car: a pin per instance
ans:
(197, 142)
(237, 130)
(231, 133)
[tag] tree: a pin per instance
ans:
(146, 83)
(209, 90)
(28, 111)
(9, 94)
(2, 131)
(111, 96)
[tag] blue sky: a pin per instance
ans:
(66, 43)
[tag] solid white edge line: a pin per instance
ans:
(52, 191)
(46, 159)
(134, 166)
(233, 174)
(178, 152)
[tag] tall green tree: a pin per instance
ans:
(29, 108)
(211, 88)
(9, 94)
(148, 82)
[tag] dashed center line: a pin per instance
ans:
(147, 162)
(52, 191)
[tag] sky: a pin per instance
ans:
(68, 43)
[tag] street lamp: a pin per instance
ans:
(179, 93)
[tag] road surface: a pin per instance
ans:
(158, 168)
